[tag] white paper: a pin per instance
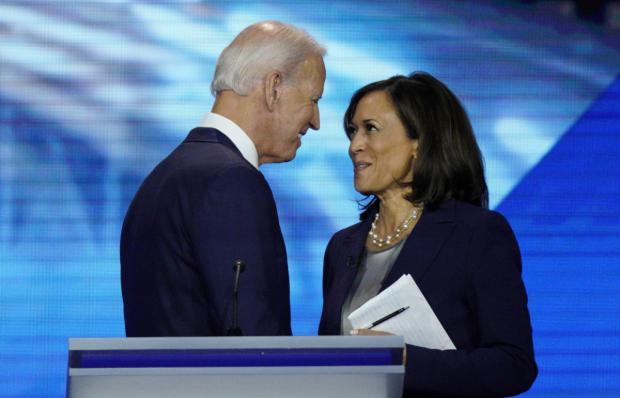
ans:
(418, 324)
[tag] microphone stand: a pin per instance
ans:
(235, 330)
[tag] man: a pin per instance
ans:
(207, 204)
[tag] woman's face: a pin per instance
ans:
(381, 151)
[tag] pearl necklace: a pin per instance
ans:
(387, 240)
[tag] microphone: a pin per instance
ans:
(235, 330)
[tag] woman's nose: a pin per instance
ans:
(357, 144)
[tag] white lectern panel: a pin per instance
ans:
(325, 366)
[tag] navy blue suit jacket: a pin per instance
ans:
(199, 210)
(467, 263)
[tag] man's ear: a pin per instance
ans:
(273, 89)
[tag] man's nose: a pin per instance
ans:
(315, 122)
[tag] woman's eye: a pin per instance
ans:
(370, 127)
(351, 131)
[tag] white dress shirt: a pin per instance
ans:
(236, 134)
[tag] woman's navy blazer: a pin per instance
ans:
(466, 261)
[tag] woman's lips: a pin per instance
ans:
(360, 166)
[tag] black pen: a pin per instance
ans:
(385, 318)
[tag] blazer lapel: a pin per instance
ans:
(349, 260)
(423, 244)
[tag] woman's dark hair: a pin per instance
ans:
(448, 163)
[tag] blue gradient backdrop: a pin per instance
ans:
(94, 93)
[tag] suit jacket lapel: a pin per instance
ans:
(207, 134)
(423, 244)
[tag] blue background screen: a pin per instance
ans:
(93, 94)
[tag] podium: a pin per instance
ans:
(182, 367)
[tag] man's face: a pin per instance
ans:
(297, 110)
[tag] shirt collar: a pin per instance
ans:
(236, 134)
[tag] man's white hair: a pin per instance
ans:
(259, 49)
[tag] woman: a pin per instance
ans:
(414, 153)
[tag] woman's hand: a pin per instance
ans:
(369, 332)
